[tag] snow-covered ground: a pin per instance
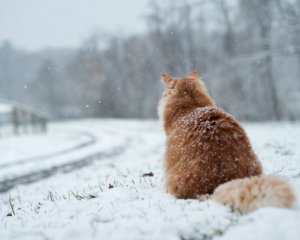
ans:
(111, 198)
(5, 108)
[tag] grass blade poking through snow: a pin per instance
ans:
(11, 205)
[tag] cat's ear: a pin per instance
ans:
(165, 77)
(194, 75)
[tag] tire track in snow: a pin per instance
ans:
(32, 177)
(92, 140)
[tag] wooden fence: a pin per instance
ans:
(18, 119)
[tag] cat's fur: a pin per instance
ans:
(248, 194)
(207, 147)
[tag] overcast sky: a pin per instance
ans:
(36, 24)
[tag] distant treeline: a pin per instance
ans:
(247, 52)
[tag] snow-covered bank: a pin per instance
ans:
(118, 198)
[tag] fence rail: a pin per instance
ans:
(18, 119)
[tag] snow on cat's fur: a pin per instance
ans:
(206, 147)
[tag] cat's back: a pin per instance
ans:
(214, 141)
(208, 122)
(210, 127)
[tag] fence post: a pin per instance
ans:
(15, 121)
(44, 124)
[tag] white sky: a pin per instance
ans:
(35, 24)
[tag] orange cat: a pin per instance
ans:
(207, 147)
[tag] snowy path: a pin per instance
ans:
(84, 148)
(91, 139)
(37, 175)
(113, 198)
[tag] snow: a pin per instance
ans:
(41, 147)
(55, 141)
(5, 108)
(81, 205)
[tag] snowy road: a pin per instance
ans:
(91, 139)
(84, 148)
(37, 175)
(111, 197)
(15, 166)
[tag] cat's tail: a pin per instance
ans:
(248, 194)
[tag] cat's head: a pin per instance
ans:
(182, 93)
(181, 86)
(187, 91)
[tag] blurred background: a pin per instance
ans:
(88, 58)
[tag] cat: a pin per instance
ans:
(208, 153)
